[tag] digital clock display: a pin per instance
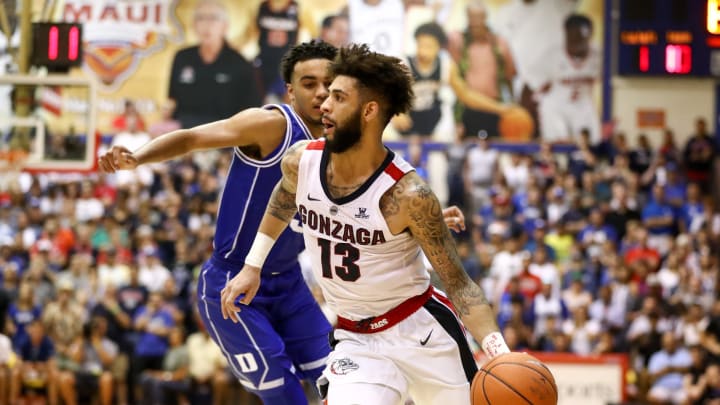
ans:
(57, 45)
(669, 37)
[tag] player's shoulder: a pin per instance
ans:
(407, 189)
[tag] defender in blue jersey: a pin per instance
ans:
(282, 337)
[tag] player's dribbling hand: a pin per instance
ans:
(246, 282)
(454, 218)
(117, 158)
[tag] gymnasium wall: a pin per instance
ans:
(680, 100)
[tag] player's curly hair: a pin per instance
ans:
(384, 77)
(302, 52)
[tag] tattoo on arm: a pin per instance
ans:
(282, 201)
(428, 227)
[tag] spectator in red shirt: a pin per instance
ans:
(530, 284)
(119, 124)
(641, 254)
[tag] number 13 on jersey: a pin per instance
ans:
(345, 253)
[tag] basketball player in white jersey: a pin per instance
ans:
(367, 217)
(568, 77)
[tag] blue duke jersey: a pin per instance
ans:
(242, 205)
(282, 336)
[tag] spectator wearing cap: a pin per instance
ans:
(666, 369)
(63, 320)
(595, 233)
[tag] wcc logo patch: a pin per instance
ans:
(362, 213)
(343, 366)
(118, 34)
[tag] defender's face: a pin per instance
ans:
(342, 114)
(309, 88)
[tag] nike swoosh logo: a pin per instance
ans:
(424, 341)
(313, 199)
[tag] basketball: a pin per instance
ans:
(514, 378)
(516, 124)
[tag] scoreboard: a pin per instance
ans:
(669, 38)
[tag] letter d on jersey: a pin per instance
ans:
(247, 362)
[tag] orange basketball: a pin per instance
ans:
(514, 378)
(516, 124)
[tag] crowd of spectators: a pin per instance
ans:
(610, 248)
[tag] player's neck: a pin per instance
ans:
(359, 161)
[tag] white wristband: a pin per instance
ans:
(494, 345)
(259, 251)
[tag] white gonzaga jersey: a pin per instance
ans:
(381, 26)
(363, 269)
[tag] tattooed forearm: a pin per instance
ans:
(429, 228)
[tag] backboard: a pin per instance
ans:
(58, 134)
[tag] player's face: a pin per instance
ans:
(309, 88)
(342, 115)
(427, 48)
(210, 24)
(578, 41)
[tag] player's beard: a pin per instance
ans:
(345, 136)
